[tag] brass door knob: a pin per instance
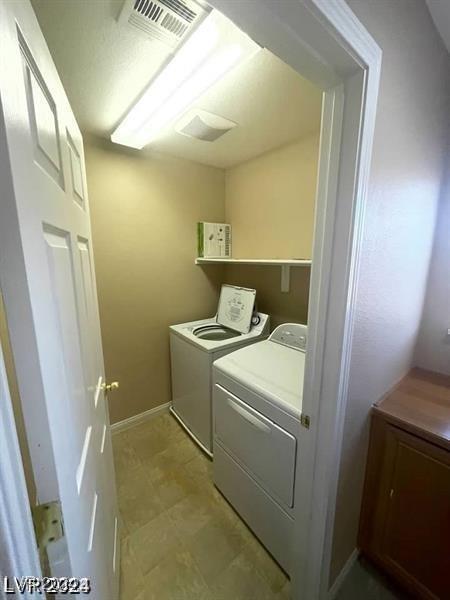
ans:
(109, 387)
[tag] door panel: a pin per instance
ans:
(417, 526)
(76, 170)
(65, 309)
(87, 317)
(42, 116)
(51, 302)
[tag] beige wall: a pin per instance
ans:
(270, 202)
(407, 163)
(281, 306)
(144, 213)
(144, 210)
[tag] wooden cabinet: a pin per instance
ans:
(405, 518)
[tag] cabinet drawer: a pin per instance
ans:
(266, 450)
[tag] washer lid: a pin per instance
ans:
(236, 308)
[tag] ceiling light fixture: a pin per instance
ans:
(216, 47)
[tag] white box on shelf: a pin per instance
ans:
(214, 240)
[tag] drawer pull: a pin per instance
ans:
(248, 416)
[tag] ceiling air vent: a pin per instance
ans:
(203, 125)
(168, 21)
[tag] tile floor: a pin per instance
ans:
(181, 540)
(365, 583)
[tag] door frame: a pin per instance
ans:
(324, 41)
(19, 554)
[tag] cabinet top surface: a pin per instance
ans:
(421, 404)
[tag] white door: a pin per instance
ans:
(47, 277)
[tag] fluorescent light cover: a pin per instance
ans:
(213, 50)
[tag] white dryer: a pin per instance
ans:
(196, 345)
(257, 403)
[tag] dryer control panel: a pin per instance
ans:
(292, 335)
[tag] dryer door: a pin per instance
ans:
(263, 448)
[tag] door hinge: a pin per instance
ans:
(48, 523)
(305, 420)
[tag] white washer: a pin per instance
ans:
(196, 345)
(257, 402)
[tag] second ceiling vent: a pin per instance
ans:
(203, 125)
(168, 21)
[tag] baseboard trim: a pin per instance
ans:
(334, 589)
(140, 418)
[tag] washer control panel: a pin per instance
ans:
(292, 335)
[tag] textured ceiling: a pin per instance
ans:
(104, 66)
